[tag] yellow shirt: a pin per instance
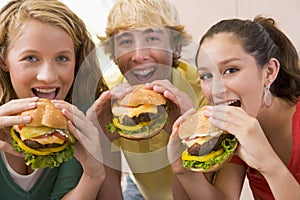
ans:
(147, 158)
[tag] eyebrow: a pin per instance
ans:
(124, 34)
(224, 62)
(146, 31)
(152, 30)
(229, 60)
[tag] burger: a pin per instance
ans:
(208, 147)
(140, 114)
(46, 140)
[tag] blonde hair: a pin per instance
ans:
(133, 14)
(52, 12)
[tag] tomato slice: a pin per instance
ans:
(55, 133)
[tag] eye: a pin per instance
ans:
(62, 59)
(153, 39)
(31, 59)
(205, 76)
(231, 70)
(125, 42)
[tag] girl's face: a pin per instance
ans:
(144, 55)
(229, 75)
(41, 61)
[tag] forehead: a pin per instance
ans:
(141, 32)
(220, 47)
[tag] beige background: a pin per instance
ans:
(199, 15)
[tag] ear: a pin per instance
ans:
(177, 51)
(272, 69)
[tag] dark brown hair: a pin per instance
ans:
(262, 39)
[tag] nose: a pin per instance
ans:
(218, 90)
(47, 72)
(140, 55)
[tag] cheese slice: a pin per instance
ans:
(133, 111)
(199, 140)
(186, 156)
(51, 139)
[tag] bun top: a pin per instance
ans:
(45, 114)
(141, 95)
(198, 124)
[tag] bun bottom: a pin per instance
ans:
(143, 135)
(219, 165)
(214, 167)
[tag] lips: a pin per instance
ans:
(143, 74)
(47, 93)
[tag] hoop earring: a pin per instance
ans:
(268, 98)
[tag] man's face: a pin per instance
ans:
(144, 55)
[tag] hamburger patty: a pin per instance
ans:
(195, 148)
(143, 117)
(36, 145)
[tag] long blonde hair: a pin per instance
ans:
(55, 13)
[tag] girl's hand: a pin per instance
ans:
(254, 147)
(175, 147)
(9, 117)
(88, 148)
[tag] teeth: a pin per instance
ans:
(232, 102)
(46, 90)
(143, 72)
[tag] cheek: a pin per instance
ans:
(68, 76)
(164, 57)
(206, 91)
(19, 77)
(121, 62)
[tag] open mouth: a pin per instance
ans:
(235, 103)
(144, 74)
(45, 93)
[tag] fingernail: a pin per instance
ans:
(57, 105)
(26, 118)
(207, 112)
(32, 104)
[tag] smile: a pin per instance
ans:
(143, 74)
(47, 93)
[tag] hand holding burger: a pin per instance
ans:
(46, 140)
(208, 147)
(140, 114)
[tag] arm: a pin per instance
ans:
(100, 114)
(249, 134)
(87, 151)
(228, 181)
(282, 183)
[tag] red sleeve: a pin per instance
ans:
(236, 160)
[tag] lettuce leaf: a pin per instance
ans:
(51, 161)
(228, 146)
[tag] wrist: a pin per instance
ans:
(95, 178)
